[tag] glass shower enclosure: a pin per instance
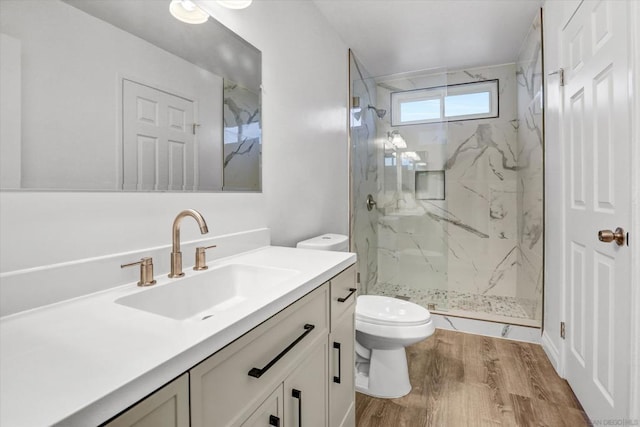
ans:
(453, 162)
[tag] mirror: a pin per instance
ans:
(108, 95)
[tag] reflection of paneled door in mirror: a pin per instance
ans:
(158, 134)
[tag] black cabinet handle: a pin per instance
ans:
(352, 290)
(257, 372)
(297, 394)
(274, 421)
(336, 345)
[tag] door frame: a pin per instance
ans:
(634, 75)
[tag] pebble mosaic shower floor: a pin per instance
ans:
(449, 300)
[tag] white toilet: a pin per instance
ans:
(384, 327)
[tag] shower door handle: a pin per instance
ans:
(371, 203)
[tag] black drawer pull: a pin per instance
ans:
(274, 421)
(257, 372)
(298, 395)
(336, 345)
(352, 290)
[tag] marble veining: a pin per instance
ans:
(485, 144)
(240, 149)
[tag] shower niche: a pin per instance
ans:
(430, 185)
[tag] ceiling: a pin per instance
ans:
(398, 36)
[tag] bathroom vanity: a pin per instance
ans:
(282, 357)
(267, 378)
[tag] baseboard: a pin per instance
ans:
(552, 352)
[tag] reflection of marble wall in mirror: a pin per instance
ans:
(72, 70)
(242, 138)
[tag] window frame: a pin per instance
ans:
(441, 92)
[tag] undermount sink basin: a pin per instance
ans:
(207, 293)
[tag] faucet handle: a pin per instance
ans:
(146, 271)
(201, 258)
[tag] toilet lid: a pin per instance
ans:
(382, 310)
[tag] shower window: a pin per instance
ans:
(478, 100)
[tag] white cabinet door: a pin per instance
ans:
(167, 407)
(305, 390)
(342, 391)
(269, 413)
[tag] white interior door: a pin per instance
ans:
(596, 122)
(158, 139)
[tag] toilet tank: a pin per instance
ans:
(326, 242)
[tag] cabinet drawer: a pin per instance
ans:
(222, 389)
(342, 294)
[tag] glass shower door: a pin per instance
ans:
(412, 235)
(364, 175)
(401, 241)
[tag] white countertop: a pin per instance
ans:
(82, 361)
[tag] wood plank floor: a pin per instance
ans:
(470, 380)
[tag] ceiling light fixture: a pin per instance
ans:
(234, 4)
(187, 11)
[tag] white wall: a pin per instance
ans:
(10, 110)
(305, 174)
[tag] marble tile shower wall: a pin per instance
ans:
(242, 147)
(530, 172)
(364, 175)
(467, 243)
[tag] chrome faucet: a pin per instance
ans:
(176, 255)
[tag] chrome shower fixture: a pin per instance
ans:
(379, 111)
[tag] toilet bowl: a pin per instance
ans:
(384, 327)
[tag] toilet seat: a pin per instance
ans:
(386, 311)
